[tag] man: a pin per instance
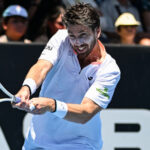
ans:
(15, 24)
(79, 81)
(126, 26)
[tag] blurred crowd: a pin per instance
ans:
(122, 21)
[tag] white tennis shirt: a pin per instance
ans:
(68, 83)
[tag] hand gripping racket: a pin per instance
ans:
(12, 98)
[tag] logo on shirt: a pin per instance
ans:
(90, 78)
(48, 47)
(104, 92)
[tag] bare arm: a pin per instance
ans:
(81, 113)
(39, 71)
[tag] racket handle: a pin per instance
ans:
(31, 107)
(17, 99)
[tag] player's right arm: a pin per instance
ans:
(37, 73)
(48, 58)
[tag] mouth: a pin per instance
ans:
(80, 49)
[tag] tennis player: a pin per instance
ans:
(79, 78)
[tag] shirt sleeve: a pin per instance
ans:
(102, 90)
(53, 49)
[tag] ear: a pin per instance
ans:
(98, 32)
(4, 26)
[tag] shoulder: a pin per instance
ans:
(27, 41)
(3, 38)
(109, 67)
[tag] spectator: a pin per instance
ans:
(112, 9)
(52, 24)
(126, 25)
(15, 23)
(38, 13)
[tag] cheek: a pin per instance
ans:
(72, 41)
(122, 32)
(134, 31)
(78, 41)
(90, 40)
(11, 27)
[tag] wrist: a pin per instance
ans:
(52, 105)
(27, 88)
(30, 83)
(61, 109)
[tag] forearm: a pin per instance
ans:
(39, 71)
(81, 113)
(33, 79)
(78, 113)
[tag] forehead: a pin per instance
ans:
(78, 29)
(17, 18)
(128, 26)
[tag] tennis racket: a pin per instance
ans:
(12, 98)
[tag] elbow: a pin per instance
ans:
(85, 118)
(87, 114)
(84, 121)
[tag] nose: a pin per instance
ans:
(78, 42)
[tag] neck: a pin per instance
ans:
(96, 55)
(127, 41)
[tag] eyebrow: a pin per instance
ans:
(82, 31)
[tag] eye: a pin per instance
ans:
(71, 36)
(83, 35)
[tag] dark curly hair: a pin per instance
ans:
(82, 14)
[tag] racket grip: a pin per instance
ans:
(31, 107)
(17, 99)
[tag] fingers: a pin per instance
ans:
(25, 105)
(24, 96)
(34, 106)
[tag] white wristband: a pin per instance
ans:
(31, 83)
(61, 109)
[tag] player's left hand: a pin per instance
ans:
(41, 104)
